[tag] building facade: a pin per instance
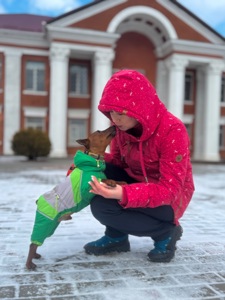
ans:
(53, 70)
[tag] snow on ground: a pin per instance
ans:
(66, 272)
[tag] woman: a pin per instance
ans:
(151, 153)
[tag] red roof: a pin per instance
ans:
(25, 22)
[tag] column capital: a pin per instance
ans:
(13, 52)
(176, 62)
(59, 53)
(103, 57)
(215, 67)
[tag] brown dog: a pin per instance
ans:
(72, 194)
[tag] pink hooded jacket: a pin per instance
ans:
(159, 159)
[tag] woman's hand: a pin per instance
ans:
(100, 188)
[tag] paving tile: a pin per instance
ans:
(65, 272)
(45, 290)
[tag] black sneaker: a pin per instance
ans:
(107, 244)
(164, 250)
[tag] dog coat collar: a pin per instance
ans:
(96, 156)
(87, 162)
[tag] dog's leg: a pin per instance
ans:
(32, 254)
(65, 217)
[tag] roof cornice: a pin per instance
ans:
(192, 20)
(84, 12)
(190, 47)
(81, 35)
(23, 38)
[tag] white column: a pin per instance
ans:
(199, 130)
(176, 77)
(102, 65)
(161, 81)
(58, 101)
(211, 112)
(11, 98)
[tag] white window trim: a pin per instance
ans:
(37, 93)
(188, 119)
(35, 111)
(74, 95)
(78, 113)
(222, 121)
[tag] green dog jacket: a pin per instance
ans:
(69, 196)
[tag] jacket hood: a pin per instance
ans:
(130, 92)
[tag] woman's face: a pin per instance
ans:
(122, 121)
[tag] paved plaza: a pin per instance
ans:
(65, 272)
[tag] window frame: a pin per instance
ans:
(191, 92)
(35, 78)
(81, 67)
(222, 137)
(82, 131)
(1, 74)
(40, 126)
(222, 95)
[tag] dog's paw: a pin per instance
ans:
(109, 182)
(65, 218)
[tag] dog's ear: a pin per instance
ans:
(84, 142)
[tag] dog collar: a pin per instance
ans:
(96, 156)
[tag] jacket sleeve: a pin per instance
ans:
(174, 167)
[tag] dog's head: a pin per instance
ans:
(98, 141)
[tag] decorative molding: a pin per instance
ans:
(192, 47)
(21, 38)
(215, 67)
(13, 52)
(59, 53)
(23, 50)
(81, 35)
(145, 11)
(88, 12)
(103, 57)
(176, 62)
(191, 22)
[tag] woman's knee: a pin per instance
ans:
(95, 204)
(102, 207)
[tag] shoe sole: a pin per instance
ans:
(105, 250)
(167, 257)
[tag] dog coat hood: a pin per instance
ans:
(129, 92)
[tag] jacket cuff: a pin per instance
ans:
(124, 200)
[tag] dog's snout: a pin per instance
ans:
(113, 130)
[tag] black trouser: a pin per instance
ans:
(156, 223)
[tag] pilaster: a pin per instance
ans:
(12, 97)
(102, 66)
(58, 100)
(162, 81)
(176, 65)
(211, 112)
